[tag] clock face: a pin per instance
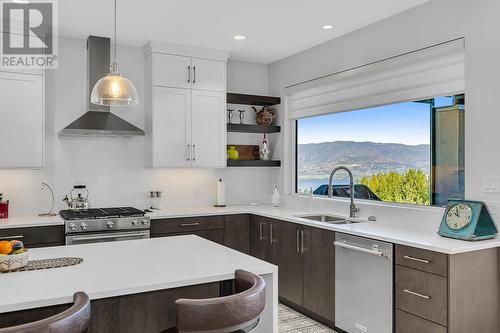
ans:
(459, 216)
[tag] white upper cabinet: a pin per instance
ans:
(186, 106)
(208, 128)
(172, 71)
(172, 120)
(21, 120)
(208, 74)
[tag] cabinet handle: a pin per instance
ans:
(188, 153)
(271, 234)
(194, 70)
(189, 74)
(190, 224)
(12, 237)
(417, 259)
(194, 153)
(298, 241)
(408, 291)
(261, 236)
(302, 241)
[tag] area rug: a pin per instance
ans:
(290, 321)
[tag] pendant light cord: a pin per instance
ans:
(114, 46)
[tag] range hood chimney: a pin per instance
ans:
(99, 121)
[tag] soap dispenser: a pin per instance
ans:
(276, 196)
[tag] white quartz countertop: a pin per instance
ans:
(122, 268)
(30, 221)
(420, 235)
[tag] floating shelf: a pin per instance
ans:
(253, 163)
(245, 128)
(252, 99)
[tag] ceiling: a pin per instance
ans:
(274, 28)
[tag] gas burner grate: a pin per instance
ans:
(100, 213)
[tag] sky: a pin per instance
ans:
(407, 123)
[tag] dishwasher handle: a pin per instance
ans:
(359, 249)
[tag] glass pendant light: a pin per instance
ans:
(114, 89)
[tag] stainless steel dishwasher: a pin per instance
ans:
(363, 285)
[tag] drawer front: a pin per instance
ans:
(427, 261)
(186, 224)
(408, 323)
(35, 236)
(214, 235)
(422, 294)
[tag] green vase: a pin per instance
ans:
(233, 154)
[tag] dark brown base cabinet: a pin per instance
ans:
(305, 257)
(231, 230)
(439, 293)
(149, 312)
(33, 237)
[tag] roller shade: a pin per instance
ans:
(435, 71)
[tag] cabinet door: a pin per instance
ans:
(319, 267)
(208, 74)
(172, 71)
(259, 237)
(286, 254)
(21, 120)
(236, 232)
(208, 128)
(171, 127)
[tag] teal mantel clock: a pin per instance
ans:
(467, 220)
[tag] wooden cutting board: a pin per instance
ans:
(247, 152)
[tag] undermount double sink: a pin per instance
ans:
(330, 219)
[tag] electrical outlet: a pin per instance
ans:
(196, 191)
(491, 184)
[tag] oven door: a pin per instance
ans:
(106, 237)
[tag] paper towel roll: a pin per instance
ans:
(221, 193)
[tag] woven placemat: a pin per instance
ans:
(34, 265)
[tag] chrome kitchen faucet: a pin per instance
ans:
(353, 211)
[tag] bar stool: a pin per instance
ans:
(238, 313)
(74, 320)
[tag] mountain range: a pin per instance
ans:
(315, 160)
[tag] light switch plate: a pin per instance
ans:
(491, 184)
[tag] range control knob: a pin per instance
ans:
(145, 222)
(110, 224)
(135, 222)
(84, 226)
(72, 226)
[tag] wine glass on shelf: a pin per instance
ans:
(242, 116)
(229, 116)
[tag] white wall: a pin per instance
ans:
(482, 119)
(113, 168)
(247, 78)
(434, 22)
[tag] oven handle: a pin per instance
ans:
(138, 234)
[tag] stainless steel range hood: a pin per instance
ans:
(99, 121)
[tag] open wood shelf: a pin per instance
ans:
(252, 99)
(253, 163)
(246, 128)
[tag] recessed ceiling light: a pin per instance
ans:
(21, 1)
(327, 27)
(239, 37)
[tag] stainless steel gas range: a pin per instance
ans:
(105, 225)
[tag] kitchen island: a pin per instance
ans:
(132, 280)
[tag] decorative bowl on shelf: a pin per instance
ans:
(13, 261)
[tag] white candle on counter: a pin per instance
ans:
(221, 194)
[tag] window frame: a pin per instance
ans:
(432, 133)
